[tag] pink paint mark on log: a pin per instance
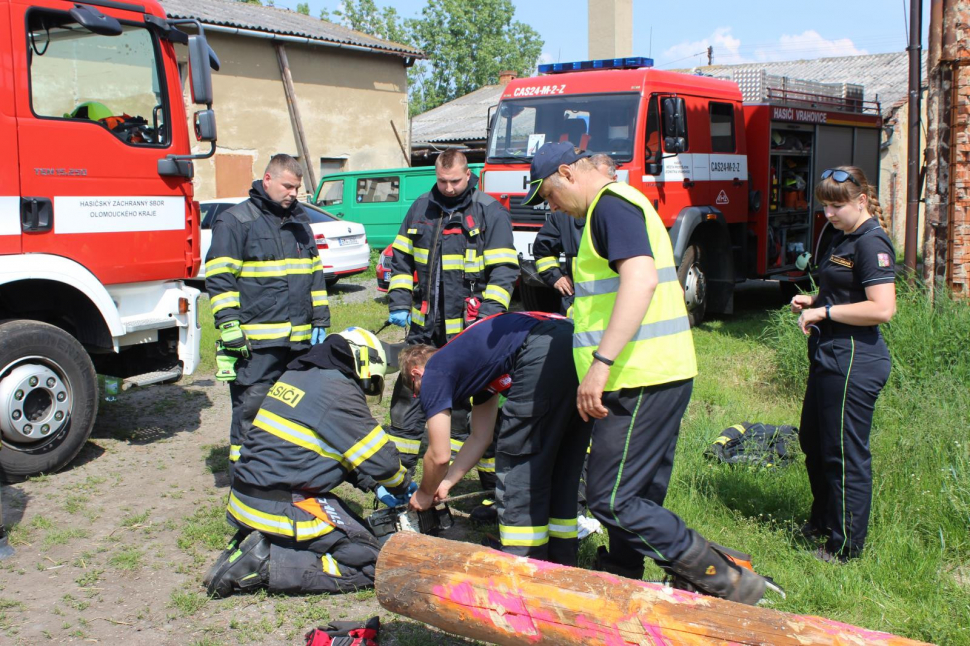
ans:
(608, 635)
(463, 595)
(513, 610)
(656, 633)
(832, 627)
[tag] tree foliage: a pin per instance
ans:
(303, 7)
(366, 17)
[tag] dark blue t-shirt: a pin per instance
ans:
(467, 364)
(619, 231)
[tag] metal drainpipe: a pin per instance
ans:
(912, 144)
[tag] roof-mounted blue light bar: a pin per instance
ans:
(629, 63)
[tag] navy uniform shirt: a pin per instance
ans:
(618, 230)
(855, 261)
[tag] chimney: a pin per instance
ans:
(610, 28)
(507, 75)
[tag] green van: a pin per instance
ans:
(378, 199)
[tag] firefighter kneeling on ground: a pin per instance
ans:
(313, 432)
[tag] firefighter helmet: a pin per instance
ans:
(370, 358)
(90, 110)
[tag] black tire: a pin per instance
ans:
(539, 299)
(34, 343)
(693, 279)
(332, 281)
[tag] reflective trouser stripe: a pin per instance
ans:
(404, 445)
(234, 452)
(496, 293)
(301, 333)
(646, 331)
(486, 464)
(278, 524)
(417, 316)
(524, 536)
(563, 528)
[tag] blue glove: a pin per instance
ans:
(400, 318)
(390, 499)
(318, 335)
(411, 489)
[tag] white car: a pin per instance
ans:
(342, 245)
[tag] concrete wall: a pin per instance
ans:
(610, 28)
(893, 181)
(348, 102)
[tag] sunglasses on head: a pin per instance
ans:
(840, 176)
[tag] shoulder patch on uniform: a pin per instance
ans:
(883, 260)
(289, 395)
(243, 212)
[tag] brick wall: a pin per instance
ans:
(958, 271)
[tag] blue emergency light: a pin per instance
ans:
(629, 63)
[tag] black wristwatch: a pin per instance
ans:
(602, 359)
(828, 312)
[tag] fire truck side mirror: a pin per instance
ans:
(205, 125)
(201, 76)
(674, 119)
(675, 144)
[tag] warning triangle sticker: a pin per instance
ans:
(722, 198)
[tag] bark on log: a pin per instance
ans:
(488, 595)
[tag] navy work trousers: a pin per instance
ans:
(846, 374)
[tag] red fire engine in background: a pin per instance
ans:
(98, 226)
(729, 165)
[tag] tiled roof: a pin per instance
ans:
(463, 119)
(882, 75)
(228, 13)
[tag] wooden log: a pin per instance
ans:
(488, 595)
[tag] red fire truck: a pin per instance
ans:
(97, 222)
(728, 164)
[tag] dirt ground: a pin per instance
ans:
(115, 546)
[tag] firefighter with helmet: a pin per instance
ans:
(458, 240)
(313, 432)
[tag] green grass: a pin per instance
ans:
(909, 580)
(127, 558)
(188, 603)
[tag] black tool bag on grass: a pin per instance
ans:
(754, 443)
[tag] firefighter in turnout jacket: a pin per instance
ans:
(313, 432)
(266, 287)
(459, 242)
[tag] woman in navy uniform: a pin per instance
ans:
(849, 361)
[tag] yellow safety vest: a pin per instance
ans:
(662, 350)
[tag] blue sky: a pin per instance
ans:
(676, 33)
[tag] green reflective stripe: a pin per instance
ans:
(276, 268)
(563, 528)
(403, 244)
(265, 331)
(452, 261)
(501, 256)
(301, 333)
(329, 565)
(402, 281)
(224, 300)
(453, 326)
(223, 265)
(250, 517)
(417, 317)
(845, 395)
(297, 434)
(395, 479)
(320, 298)
(547, 263)
(646, 331)
(420, 256)
(524, 536)
(366, 447)
(496, 293)
(404, 445)
(235, 450)
(486, 464)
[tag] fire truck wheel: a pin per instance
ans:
(539, 299)
(694, 281)
(48, 398)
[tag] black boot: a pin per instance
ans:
(231, 546)
(245, 569)
(714, 574)
(485, 513)
(605, 563)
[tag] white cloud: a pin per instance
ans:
(546, 57)
(729, 50)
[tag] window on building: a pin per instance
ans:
(378, 189)
(722, 128)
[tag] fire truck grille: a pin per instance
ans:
(527, 214)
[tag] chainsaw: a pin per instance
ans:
(432, 521)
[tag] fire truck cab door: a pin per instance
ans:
(9, 174)
(93, 119)
(727, 162)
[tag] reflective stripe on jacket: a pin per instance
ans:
(264, 271)
(662, 349)
(457, 254)
(561, 234)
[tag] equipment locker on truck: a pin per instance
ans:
(98, 226)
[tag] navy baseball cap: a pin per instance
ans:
(547, 161)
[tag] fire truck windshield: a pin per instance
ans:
(598, 123)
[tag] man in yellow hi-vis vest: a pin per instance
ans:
(634, 356)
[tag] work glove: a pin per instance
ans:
(225, 364)
(400, 318)
(390, 499)
(234, 339)
(318, 335)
